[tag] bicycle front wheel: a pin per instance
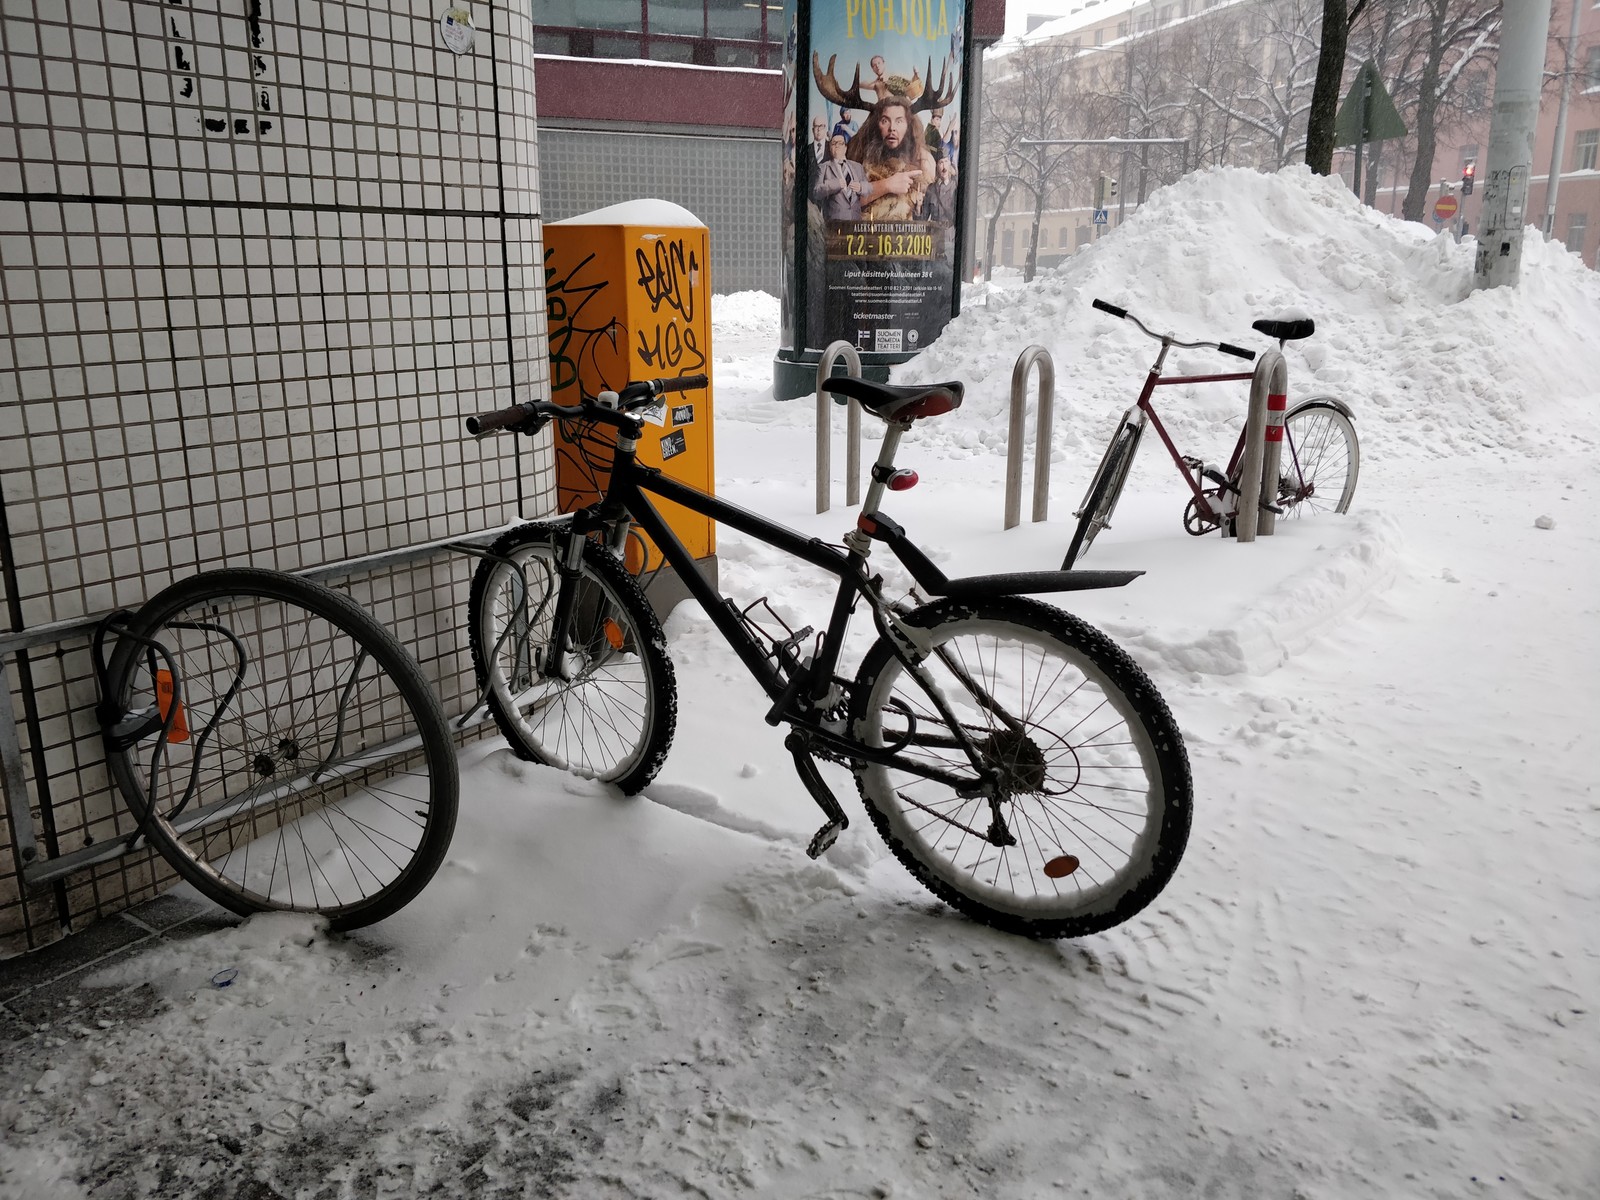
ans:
(1101, 500)
(604, 705)
(280, 748)
(1320, 461)
(1094, 797)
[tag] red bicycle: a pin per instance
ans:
(1317, 470)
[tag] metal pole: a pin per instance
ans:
(830, 356)
(1553, 183)
(1272, 442)
(1255, 427)
(1525, 24)
(1044, 419)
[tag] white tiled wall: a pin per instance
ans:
(252, 274)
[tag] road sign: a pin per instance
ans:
(1101, 217)
(1444, 208)
(1368, 113)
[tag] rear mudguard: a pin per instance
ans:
(975, 587)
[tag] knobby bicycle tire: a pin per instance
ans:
(280, 748)
(1095, 783)
(1103, 494)
(613, 719)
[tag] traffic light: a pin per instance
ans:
(1111, 189)
(1466, 178)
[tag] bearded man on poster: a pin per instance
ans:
(899, 166)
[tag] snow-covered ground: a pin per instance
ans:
(1375, 973)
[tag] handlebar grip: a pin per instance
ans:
(683, 383)
(493, 422)
(1236, 351)
(1110, 308)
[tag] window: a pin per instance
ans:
(1584, 148)
(1577, 230)
(1145, 23)
(1008, 245)
(1083, 235)
(1166, 15)
(1099, 37)
(1591, 70)
(1122, 29)
(707, 32)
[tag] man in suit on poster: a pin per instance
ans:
(840, 184)
(819, 141)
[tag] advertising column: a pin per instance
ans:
(872, 164)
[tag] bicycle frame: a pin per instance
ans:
(1154, 380)
(627, 496)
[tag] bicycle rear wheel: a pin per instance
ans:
(610, 712)
(1321, 459)
(1093, 777)
(280, 747)
(1104, 491)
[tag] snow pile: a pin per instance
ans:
(1422, 359)
(745, 312)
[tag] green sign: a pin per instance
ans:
(1367, 114)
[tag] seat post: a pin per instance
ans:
(884, 465)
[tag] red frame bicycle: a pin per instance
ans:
(1318, 468)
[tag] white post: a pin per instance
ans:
(1255, 428)
(1525, 25)
(1569, 70)
(1272, 442)
(1044, 419)
(831, 356)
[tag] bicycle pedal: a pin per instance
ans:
(825, 837)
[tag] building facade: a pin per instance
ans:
(680, 100)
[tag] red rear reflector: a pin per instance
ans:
(866, 524)
(1060, 867)
(902, 481)
(179, 731)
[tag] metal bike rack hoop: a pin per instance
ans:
(1271, 379)
(1043, 421)
(852, 466)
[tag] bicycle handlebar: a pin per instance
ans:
(531, 416)
(1168, 339)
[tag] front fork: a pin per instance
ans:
(556, 664)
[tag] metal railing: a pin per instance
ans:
(1026, 361)
(852, 467)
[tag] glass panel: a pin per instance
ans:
(739, 19)
(606, 14)
(612, 46)
(670, 49)
(678, 16)
(551, 41)
(738, 54)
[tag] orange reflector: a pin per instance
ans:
(613, 633)
(164, 701)
(1061, 866)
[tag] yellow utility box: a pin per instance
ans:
(628, 296)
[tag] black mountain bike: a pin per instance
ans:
(1018, 763)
